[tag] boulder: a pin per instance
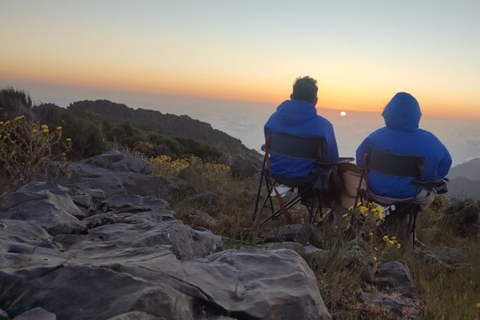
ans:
(56, 213)
(243, 166)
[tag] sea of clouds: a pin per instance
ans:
(244, 120)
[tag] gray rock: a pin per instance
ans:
(447, 257)
(315, 257)
(132, 164)
(134, 203)
(53, 212)
(395, 277)
(243, 166)
(106, 159)
(179, 188)
(386, 303)
(41, 186)
(133, 260)
(295, 232)
(36, 314)
(135, 315)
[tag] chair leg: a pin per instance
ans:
(258, 196)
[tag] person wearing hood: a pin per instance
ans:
(298, 117)
(402, 135)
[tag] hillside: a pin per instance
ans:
(178, 126)
(469, 169)
(465, 180)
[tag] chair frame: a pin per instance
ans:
(308, 148)
(400, 166)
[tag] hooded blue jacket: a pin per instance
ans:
(300, 118)
(401, 135)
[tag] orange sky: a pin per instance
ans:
(358, 56)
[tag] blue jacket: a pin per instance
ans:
(299, 118)
(401, 135)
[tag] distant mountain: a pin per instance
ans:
(179, 126)
(465, 180)
(469, 169)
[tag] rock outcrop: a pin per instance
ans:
(101, 242)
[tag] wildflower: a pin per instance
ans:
(68, 140)
(350, 208)
(385, 238)
(18, 118)
(363, 210)
(370, 234)
(44, 126)
(1, 123)
(345, 215)
(398, 245)
(59, 128)
(45, 130)
(375, 258)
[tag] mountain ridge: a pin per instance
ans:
(181, 126)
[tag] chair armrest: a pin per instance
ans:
(437, 186)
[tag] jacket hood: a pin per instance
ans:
(295, 112)
(402, 112)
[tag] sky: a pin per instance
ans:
(360, 52)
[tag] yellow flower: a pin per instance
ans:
(44, 126)
(385, 238)
(375, 258)
(45, 130)
(350, 208)
(363, 210)
(398, 245)
(370, 234)
(68, 140)
(1, 123)
(59, 128)
(345, 215)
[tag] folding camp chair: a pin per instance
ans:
(309, 190)
(398, 165)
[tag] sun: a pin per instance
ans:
(343, 113)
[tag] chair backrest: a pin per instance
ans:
(295, 146)
(409, 166)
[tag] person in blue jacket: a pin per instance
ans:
(402, 135)
(298, 116)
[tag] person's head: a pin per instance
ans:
(305, 88)
(402, 112)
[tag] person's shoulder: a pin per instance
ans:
(426, 134)
(322, 119)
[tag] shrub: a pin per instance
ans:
(26, 147)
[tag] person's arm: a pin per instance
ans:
(444, 164)
(360, 153)
(331, 154)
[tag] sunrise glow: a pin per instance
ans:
(210, 51)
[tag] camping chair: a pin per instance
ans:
(400, 166)
(309, 190)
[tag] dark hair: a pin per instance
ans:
(305, 89)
